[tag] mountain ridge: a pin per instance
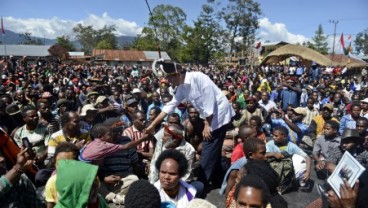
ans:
(16, 38)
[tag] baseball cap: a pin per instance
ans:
(87, 107)
(300, 110)
(136, 90)
(329, 106)
(92, 93)
(100, 99)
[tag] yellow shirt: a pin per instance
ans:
(320, 122)
(59, 137)
(51, 194)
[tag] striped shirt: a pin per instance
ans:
(134, 134)
(59, 137)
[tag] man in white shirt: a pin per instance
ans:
(212, 105)
(266, 103)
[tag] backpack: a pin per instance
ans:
(284, 168)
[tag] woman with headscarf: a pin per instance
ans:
(77, 184)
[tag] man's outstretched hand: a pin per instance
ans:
(149, 130)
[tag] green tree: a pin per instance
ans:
(203, 40)
(105, 44)
(65, 42)
(241, 20)
(89, 37)
(361, 42)
(170, 23)
(309, 45)
(320, 41)
(29, 40)
(146, 40)
(106, 34)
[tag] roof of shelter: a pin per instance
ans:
(25, 50)
(274, 43)
(343, 60)
(289, 50)
(128, 55)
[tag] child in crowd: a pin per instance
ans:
(245, 132)
(323, 146)
(256, 123)
(254, 149)
(102, 146)
(280, 146)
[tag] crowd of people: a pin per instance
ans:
(93, 135)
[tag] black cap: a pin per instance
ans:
(170, 68)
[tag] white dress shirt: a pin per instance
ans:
(268, 106)
(205, 96)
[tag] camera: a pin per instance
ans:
(27, 144)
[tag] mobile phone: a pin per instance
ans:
(27, 144)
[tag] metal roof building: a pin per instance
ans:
(127, 56)
(25, 50)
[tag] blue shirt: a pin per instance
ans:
(290, 148)
(325, 100)
(289, 97)
(124, 118)
(346, 122)
(235, 166)
(274, 96)
(299, 71)
(152, 106)
(292, 136)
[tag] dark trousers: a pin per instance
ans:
(211, 153)
(42, 176)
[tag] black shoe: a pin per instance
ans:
(308, 186)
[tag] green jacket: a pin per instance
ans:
(74, 182)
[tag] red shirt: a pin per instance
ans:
(237, 153)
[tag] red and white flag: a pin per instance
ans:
(342, 42)
(2, 26)
(349, 49)
(259, 47)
